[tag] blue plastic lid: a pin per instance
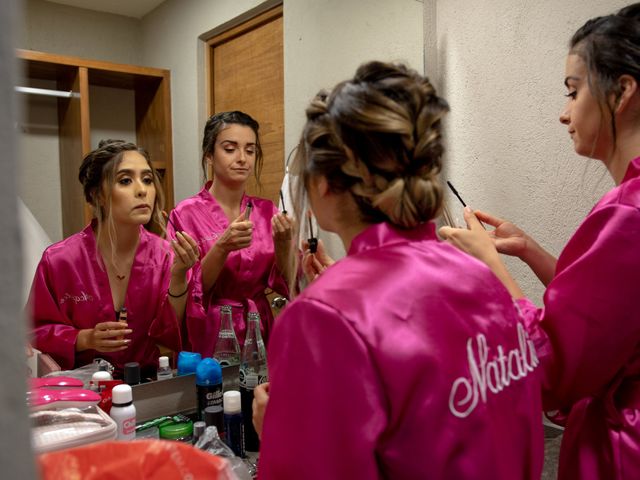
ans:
(187, 362)
(208, 372)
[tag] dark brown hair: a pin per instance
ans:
(610, 47)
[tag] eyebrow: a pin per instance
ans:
(233, 142)
(566, 80)
(128, 171)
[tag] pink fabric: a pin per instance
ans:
(591, 322)
(245, 275)
(70, 292)
(404, 360)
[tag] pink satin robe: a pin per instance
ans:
(245, 275)
(591, 353)
(404, 360)
(71, 291)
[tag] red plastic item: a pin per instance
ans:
(139, 460)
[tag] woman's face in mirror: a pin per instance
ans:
(133, 193)
(234, 155)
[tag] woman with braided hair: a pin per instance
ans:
(589, 329)
(84, 283)
(406, 358)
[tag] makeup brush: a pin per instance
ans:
(313, 242)
(284, 210)
(455, 192)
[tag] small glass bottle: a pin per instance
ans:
(164, 370)
(227, 349)
(253, 371)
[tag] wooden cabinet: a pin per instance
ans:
(149, 89)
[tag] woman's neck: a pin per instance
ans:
(627, 149)
(228, 197)
(126, 239)
(348, 232)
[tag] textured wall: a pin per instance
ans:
(501, 67)
(16, 459)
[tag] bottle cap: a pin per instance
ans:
(208, 372)
(214, 416)
(132, 373)
(121, 394)
(163, 362)
(101, 375)
(198, 428)
(187, 362)
(231, 401)
(176, 431)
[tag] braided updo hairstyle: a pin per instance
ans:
(378, 136)
(97, 175)
(610, 47)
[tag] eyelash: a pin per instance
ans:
(572, 95)
(231, 150)
(127, 181)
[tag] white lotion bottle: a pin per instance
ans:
(123, 412)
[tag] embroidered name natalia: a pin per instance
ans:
(492, 375)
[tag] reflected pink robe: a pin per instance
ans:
(404, 360)
(591, 356)
(245, 275)
(71, 291)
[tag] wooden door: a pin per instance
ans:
(245, 71)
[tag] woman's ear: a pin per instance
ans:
(628, 90)
(322, 185)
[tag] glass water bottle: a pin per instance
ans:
(253, 371)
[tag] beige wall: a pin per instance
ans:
(501, 67)
(54, 28)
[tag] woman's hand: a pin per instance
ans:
(508, 238)
(104, 337)
(474, 239)
(260, 400)
(186, 253)
(282, 231)
(237, 236)
(313, 264)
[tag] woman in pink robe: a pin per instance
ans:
(589, 329)
(245, 250)
(86, 283)
(406, 359)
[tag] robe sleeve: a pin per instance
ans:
(325, 399)
(53, 333)
(590, 314)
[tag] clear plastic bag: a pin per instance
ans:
(85, 373)
(211, 442)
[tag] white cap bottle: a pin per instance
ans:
(164, 370)
(97, 377)
(123, 412)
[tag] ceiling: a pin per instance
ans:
(128, 8)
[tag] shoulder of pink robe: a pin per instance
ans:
(590, 313)
(71, 292)
(403, 360)
(244, 277)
